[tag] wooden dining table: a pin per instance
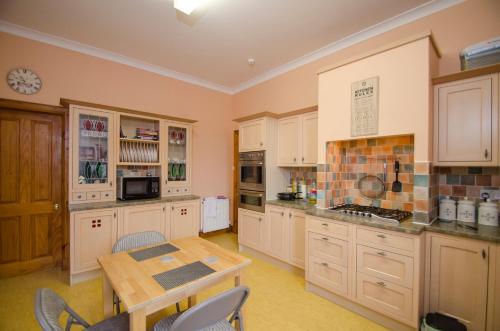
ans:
(141, 294)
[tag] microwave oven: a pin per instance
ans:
(130, 188)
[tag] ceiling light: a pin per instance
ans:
(251, 61)
(187, 6)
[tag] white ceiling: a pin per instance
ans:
(212, 46)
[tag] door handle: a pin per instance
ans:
(56, 206)
(486, 153)
(484, 254)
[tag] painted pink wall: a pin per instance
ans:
(68, 74)
(454, 29)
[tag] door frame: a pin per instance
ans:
(236, 154)
(64, 113)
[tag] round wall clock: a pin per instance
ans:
(24, 81)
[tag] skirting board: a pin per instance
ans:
(278, 263)
(358, 309)
(84, 276)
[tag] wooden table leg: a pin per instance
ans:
(238, 280)
(138, 320)
(191, 301)
(107, 297)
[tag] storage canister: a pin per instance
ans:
(447, 209)
(466, 211)
(488, 213)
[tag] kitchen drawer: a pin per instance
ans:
(93, 195)
(385, 297)
(384, 239)
(329, 228)
(327, 275)
(395, 268)
(79, 196)
(107, 194)
(328, 248)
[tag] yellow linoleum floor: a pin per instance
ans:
(277, 300)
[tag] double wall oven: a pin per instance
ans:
(252, 181)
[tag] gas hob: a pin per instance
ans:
(375, 213)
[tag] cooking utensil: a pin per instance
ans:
(286, 196)
(371, 186)
(396, 185)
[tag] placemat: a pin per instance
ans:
(151, 252)
(182, 275)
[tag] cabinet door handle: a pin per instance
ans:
(114, 214)
(282, 214)
(166, 182)
(381, 284)
(484, 254)
(381, 253)
(261, 144)
(324, 224)
(172, 207)
(381, 236)
(110, 183)
(303, 159)
(486, 153)
(294, 159)
(325, 239)
(290, 215)
(163, 208)
(260, 219)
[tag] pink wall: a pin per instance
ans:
(68, 74)
(454, 29)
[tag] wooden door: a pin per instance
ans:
(288, 141)
(467, 115)
(31, 185)
(143, 218)
(297, 221)
(185, 220)
(459, 280)
(277, 230)
(252, 136)
(94, 234)
(236, 165)
(251, 229)
(309, 139)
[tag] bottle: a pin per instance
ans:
(302, 190)
(294, 186)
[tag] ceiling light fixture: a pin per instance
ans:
(187, 6)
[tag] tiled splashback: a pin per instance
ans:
(459, 182)
(308, 174)
(349, 161)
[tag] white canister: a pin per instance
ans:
(466, 211)
(488, 213)
(447, 209)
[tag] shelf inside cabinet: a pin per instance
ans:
(138, 164)
(140, 140)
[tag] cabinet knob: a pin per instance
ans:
(282, 214)
(260, 219)
(324, 264)
(484, 254)
(261, 144)
(110, 183)
(486, 153)
(56, 206)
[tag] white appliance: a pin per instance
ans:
(214, 214)
(482, 54)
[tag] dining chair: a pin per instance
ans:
(210, 315)
(134, 241)
(48, 309)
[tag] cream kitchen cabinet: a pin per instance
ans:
(184, 219)
(297, 140)
(458, 279)
(251, 229)
(466, 122)
(92, 234)
(277, 227)
(252, 135)
(297, 237)
(148, 217)
(176, 158)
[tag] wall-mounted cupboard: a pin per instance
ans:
(297, 140)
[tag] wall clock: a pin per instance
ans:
(24, 81)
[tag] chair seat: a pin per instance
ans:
(116, 323)
(166, 324)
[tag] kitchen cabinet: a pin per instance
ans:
(251, 230)
(297, 237)
(185, 219)
(466, 122)
(176, 164)
(298, 140)
(252, 135)
(91, 150)
(93, 234)
(277, 226)
(458, 279)
(149, 217)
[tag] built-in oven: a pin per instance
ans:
(252, 200)
(130, 188)
(252, 171)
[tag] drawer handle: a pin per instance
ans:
(325, 239)
(381, 236)
(381, 253)
(382, 284)
(324, 224)
(323, 264)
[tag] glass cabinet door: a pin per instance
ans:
(93, 138)
(177, 172)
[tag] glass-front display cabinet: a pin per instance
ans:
(176, 166)
(91, 149)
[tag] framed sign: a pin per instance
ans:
(364, 107)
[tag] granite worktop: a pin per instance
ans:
(119, 203)
(295, 204)
(483, 232)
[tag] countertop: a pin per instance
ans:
(119, 203)
(485, 233)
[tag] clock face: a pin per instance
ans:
(24, 81)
